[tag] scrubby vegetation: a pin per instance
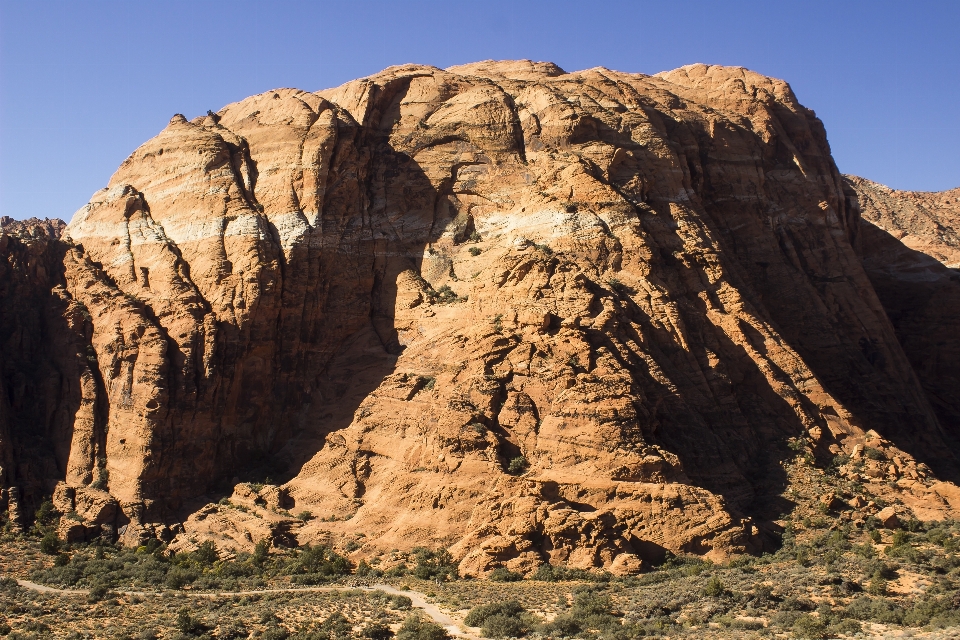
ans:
(152, 566)
(830, 578)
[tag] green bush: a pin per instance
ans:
(877, 586)
(501, 626)
(416, 628)
(502, 574)
(206, 554)
(714, 587)
(98, 592)
(400, 603)
(186, 623)
(50, 544)
(848, 627)
(479, 615)
(474, 251)
(317, 564)
(46, 515)
(376, 631)
(517, 465)
(178, 578)
(806, 626)
(874, 610)
(564, 625)
(275, 632)
(550, 573)
(434, 565)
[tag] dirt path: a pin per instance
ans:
(418, 600)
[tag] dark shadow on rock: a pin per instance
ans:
(922, 299)
(43, 356)
(337, 339)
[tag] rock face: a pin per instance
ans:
(526, 314)
(911, 253)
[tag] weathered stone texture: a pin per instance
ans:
(381, 295)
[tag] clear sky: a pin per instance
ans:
(84, 82)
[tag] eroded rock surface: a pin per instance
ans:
(911, 253)
(526, 314)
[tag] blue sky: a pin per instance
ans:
(84, 82)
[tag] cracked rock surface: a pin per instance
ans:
(525, 314)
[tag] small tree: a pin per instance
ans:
(517, 466)
(714, 587)
(187, 623)
(50, 544)
(261, 553)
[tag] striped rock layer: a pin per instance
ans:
(525, 314)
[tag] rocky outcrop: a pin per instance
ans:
(911, 253)
(522, 313)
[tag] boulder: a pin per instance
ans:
(888, 518)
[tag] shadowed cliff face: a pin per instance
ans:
(383, 294)
(911, 252)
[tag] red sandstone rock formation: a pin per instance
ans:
(521, 313)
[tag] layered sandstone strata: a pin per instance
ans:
(526, 314)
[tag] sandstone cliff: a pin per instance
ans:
(523, 313)
(911, 253)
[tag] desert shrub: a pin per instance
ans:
(562, 626)
(502, 574)
(874, 610)
(503, 627)
(443, 295)
(500, 619)
(543, 248)
(434, 565)
(376, 631)
(846, 626)
(185, 623)
(550, 573)
(46, 515)
(874, 454)
(416, 628)
(396, 571)
(98, 592)
(334, 627)
(401, 603)
(785, 619)
(587, 603)
(474, 251)
(877, 586)
(275, 632)
(517, 465)
(317, 564)
(714, 587)
(878, 568)
(206, 554)
(792, 603)
(806, 626)
(940, 611)
(234, 630)
(50, 544)
(178, 577)
(478, 615)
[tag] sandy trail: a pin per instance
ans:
(418, 600)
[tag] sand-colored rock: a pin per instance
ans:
(888, 518)
(525, 314)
